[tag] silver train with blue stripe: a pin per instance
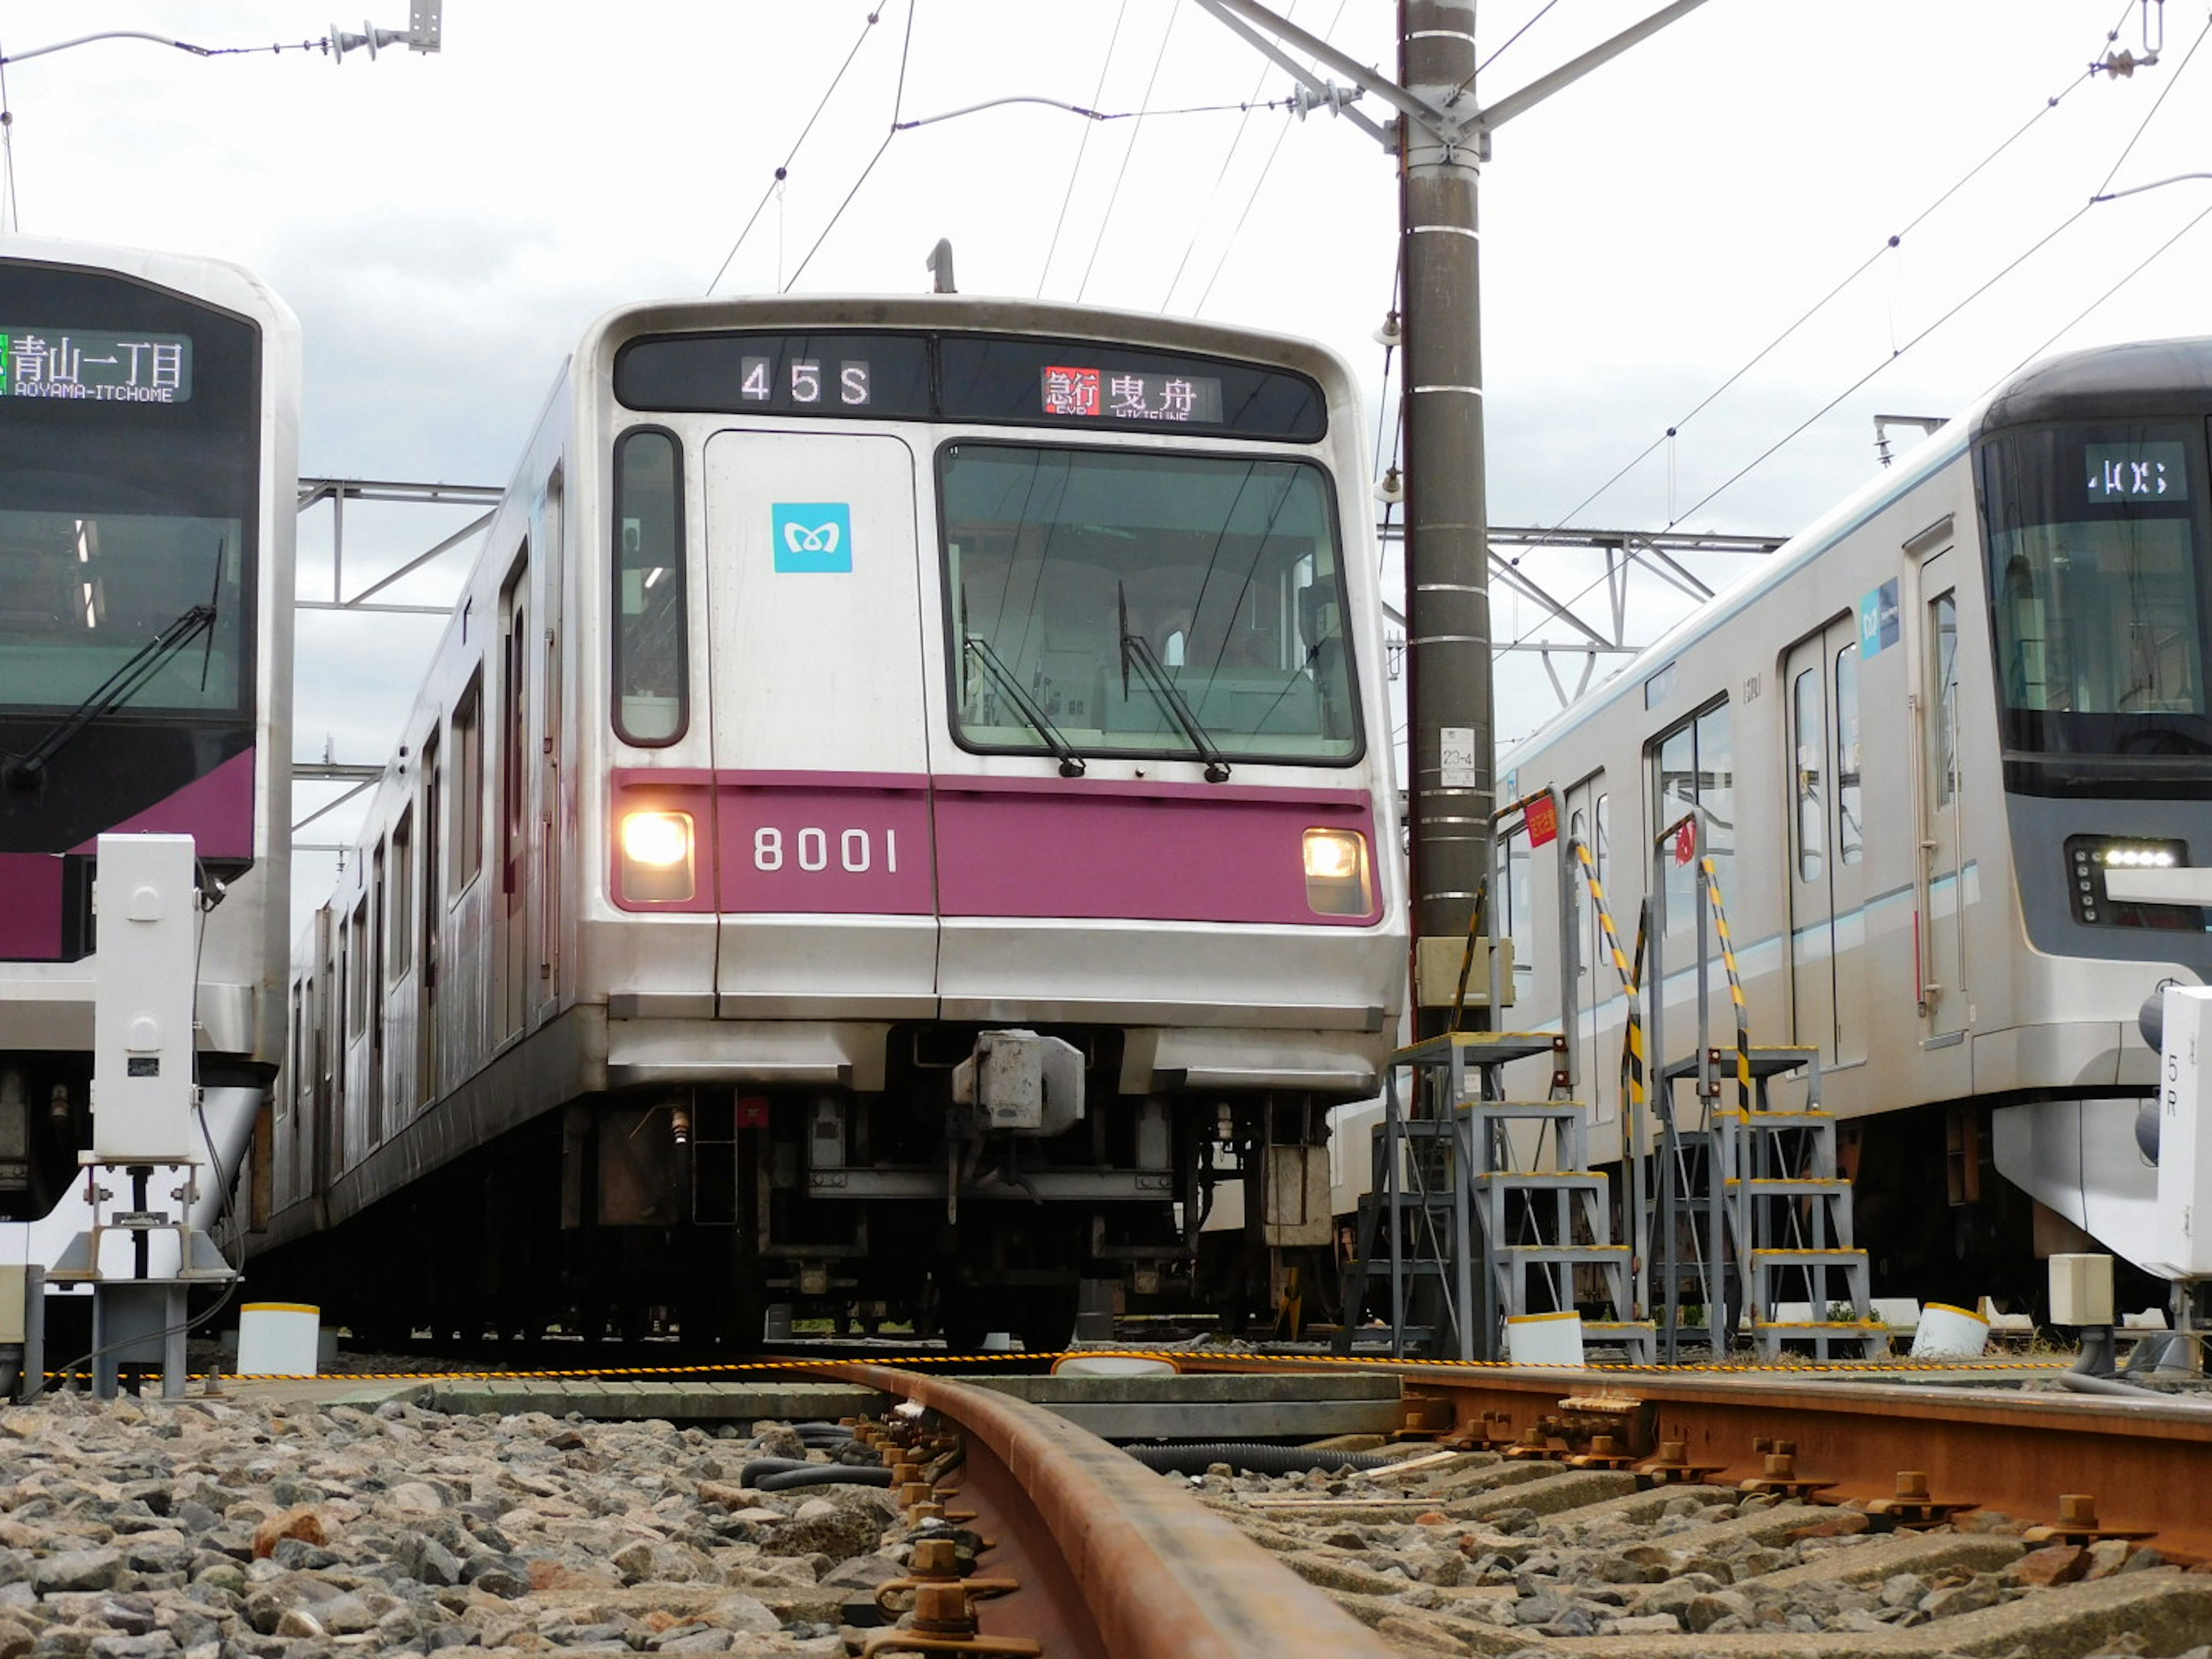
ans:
(1952, 751)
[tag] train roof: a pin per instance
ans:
(200, 277)
(971, 313)
(2098, 381)
(2117, 380)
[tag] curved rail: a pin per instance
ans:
(1123, 1563)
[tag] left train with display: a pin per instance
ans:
(149, 484)
(903, 805)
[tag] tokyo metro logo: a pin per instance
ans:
(812, 537)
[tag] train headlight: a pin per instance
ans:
(2095, 863)
(658, 864)
(1337, 880)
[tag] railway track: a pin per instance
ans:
(1620, 1515)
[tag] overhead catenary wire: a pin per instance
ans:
(2128, 149)
(1258, 184)
(1076, 172)
(783, 167)
(1206, 210)
(1136, 136)
(1872, 258)
(1673, 430)
(898, 98)
(8, 148)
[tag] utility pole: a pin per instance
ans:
(1440, 137)
(1450, 730)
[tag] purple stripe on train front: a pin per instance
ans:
(823, 843)
(30, 907)
(1057, 850)
(849, 843)
(216, 811)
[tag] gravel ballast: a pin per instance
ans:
(210, 1530)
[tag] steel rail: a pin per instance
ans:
(1123, 1563)
(2148, 1464)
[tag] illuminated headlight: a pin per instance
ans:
(2090, 858)
(1337, 883)
(657, 862)
(2140, 858)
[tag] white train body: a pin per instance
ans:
(148, 478)
(1950, 748)
(961, 698)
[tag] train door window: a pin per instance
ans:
(1808, 749)
(468, 784)
(514, 725)
(650, 707)
(1519, 913)
(400, 939)
(1851, 840)
(355, 964)
(1695, 778)
(431, 910)
(1943, 735)
(374, 967)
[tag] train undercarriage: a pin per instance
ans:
(994, 1177)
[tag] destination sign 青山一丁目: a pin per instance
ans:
(86, 365)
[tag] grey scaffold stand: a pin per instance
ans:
(141, 1253)
(1751, 1231)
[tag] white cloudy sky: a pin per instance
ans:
(444, 226)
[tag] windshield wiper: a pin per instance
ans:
(1135, 649)
(1072, 765)
(22, 771)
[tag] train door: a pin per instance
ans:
(1827, 886)
(514, 976)
(552, 814)
(1942, 881)
(432, 911)
(820, 730)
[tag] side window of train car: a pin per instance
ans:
(468, 785)
(650, 707)
(357, 959)
(1693, 777)
(399, 940)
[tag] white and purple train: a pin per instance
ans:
(906, 794)
(148, 471)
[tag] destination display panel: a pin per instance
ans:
(91, 365)
(1003, 380)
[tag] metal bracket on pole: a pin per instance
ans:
(1441, 122)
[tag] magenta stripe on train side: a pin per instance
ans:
(216, 811)
(31, 920)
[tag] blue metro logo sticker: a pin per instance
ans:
(812, 537)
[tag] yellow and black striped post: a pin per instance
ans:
(1743, 1089)
(1635, 1036)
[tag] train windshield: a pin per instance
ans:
(1137, 602)
(147, 607)
(2098, 584)
(130, 427)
